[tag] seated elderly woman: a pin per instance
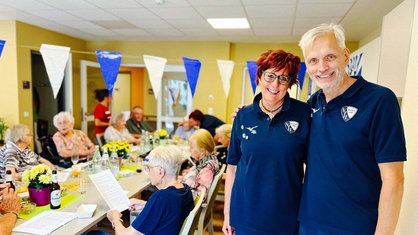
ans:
(16, 155)
(167, 208)
(117, 130)
(202, 149)
(223, 134)
(69, 141)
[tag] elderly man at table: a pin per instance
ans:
(167, 208)
(9, 208)
(135, 124)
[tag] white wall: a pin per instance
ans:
(369, 60)
(409, 212)
(396, 36)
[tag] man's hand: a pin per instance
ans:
(237, 109)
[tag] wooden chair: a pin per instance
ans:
(190, 223)
(205, 218)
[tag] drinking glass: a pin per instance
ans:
(74, 159)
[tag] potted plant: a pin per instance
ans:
(39, 180)
(3, 128)
(122, 148)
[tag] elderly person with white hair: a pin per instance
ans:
(16, 155)
(69, 141)
(167, 208)
(117, 130)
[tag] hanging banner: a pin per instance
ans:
(55, 59)
(252, 71)
(226, 67)
(155, 66)
(2, 42)
(109, 65)
(192, 72)
(301, 74)
(174, 94)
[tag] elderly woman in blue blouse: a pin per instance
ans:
(168, 207)
(16, 155)
(117, 130)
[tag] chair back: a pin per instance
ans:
(206, 214)
(190, 223)
(100, 140)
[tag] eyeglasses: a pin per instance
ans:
(148, 168)
(270, 77)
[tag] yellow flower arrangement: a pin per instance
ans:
(161, 134)
(122, 147)
(39, 177)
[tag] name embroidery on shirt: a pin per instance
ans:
(348, 112)
(291, 126)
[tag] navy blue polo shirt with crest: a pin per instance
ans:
(350, 136)
(269, 155)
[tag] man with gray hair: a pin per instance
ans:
(354, 180)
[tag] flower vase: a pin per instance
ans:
(40, 197)
(163, 142)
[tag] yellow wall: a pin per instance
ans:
(30, 38)
(9, 105)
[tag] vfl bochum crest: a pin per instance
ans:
(348, 112)
(291, 126)
(355, 65)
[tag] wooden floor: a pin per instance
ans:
(218, 217)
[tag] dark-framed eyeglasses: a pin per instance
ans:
(270, 77)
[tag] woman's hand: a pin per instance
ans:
(136, 204)
(10, 201)
(113, 215)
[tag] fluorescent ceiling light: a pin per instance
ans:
(229, 23)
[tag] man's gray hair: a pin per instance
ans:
(309, 37)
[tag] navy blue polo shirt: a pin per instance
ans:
(350, 135)
(269, 155)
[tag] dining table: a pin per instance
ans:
(132, 184)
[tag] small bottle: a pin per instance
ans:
(104, 162)
(9, 179)
(114, 162)
(96, 160)
(55, 202)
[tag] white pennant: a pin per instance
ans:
(155, 66)
(225, 68)
(55, 59)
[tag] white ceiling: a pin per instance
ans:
(185, 20)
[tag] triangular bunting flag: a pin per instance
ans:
(192, 72)
(2, 42)
(252, 71)
(174, 93)
(55, 59)
(226, 67)
(155, 66)
(301, 74)
(109, 65)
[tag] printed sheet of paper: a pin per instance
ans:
(46, 222)
(110, 190)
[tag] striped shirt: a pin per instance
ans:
(13, 156)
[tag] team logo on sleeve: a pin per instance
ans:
(291, 126)
(348, 112)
